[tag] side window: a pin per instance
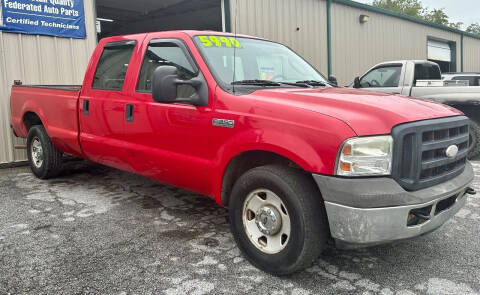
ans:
(166, 54)
(112, 66)
(427, 72)
(388, 76)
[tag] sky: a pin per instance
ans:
(466, 11)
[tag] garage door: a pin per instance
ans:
(439, 51)
(121, 17)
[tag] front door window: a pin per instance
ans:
(387, 76)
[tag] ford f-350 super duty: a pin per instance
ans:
(252, 125)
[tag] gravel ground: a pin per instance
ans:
(97, 230)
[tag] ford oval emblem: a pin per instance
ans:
(451, 151)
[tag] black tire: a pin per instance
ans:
(52, 157)
(309, 225)
(474, 148)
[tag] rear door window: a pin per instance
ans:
(113, 65)
(427, 72)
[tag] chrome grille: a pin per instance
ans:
(420, 158)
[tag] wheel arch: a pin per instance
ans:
(31, 114)
(249, 159)
(30, 119)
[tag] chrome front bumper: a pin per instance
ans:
(381, 225)
(357, 225)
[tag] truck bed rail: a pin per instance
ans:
(57, 87)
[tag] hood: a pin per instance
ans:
(366, 112)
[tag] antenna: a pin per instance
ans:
(235, 47)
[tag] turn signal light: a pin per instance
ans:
(347, 150)
(345, 166)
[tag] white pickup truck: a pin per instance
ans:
(417, 78)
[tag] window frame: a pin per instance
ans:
(401, 66)
(181, 44)
(114, 44)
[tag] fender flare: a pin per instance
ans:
(303, 155)
(31, 107)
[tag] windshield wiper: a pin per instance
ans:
(256, 82)
(297, 84)
(312, 83)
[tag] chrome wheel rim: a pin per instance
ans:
(266, 221)
(36, 152)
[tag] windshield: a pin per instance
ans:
(255, 61)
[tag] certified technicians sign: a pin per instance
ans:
(62, 18)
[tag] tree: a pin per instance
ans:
(414, 8)
(409, 7)
(474, 28)
(457, 25)
(437, 16)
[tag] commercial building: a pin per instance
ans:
(339, 37)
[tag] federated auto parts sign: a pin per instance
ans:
(62, 18)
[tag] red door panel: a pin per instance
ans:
(168, 143)
(104, 94)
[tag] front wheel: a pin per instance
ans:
(44, 158)
(278, 219)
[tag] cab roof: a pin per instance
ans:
(191, 33)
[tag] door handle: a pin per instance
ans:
(86, 107)
(129, 113)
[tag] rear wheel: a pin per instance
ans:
(474, 148)
(278, 219)
(44, 158)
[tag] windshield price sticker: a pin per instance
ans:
(219, 41)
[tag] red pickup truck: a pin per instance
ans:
(298, 161)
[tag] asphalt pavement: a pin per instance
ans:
(97, 230)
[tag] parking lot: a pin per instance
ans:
(100, 230)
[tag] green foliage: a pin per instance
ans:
(408, 7)
(437, 16)
(414, 8)
(474, 28)
(457, 25)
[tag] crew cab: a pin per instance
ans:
(423, 79)
(249, 123)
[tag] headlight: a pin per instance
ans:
(366, 156)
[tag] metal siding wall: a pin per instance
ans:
(39, 60)
(357, 47)
(277, 20)
(471, 54)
